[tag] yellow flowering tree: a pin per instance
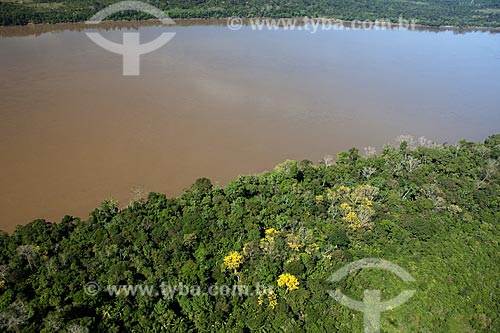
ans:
(267, 243)
(233, 261)
(354, 205)
(293, 242)
(271, 232)
(289, 281)
(272, 298)
(353, 220)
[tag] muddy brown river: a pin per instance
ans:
(217, 103)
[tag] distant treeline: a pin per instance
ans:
(458, 13)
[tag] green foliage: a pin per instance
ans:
(485, 13)
(434, 211)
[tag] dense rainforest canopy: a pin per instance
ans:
(434, 210)
(459, 13)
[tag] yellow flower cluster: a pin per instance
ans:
(293, 242)
(272, 232)
(346, 207)
(344, 189)
(363, 192)
(246, 246)
(301, 239)
(233, 261)
(267, 243)
(319, 198)
(312, 248)
(341, 192)
(288, 280)
(356, 204)
(327, 256)
(272, 298)
(353, 220)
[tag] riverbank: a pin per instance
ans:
(37, 29)
(200, 100)
(199, 261)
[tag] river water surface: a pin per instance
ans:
(217, 103)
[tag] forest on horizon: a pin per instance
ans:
(457, 13)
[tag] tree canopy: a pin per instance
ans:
(458, 13)
(431, 209)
